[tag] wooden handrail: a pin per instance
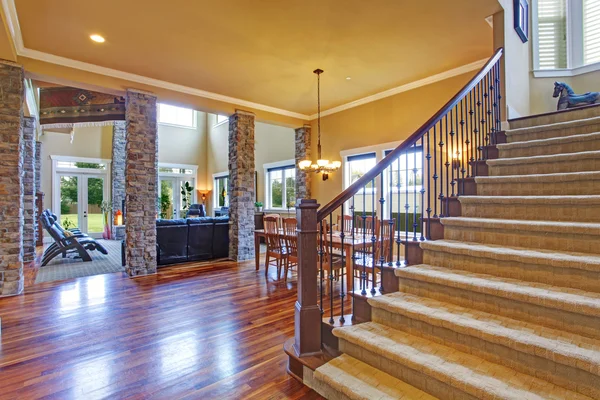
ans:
(410, 141)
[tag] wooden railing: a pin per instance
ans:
(354, 242)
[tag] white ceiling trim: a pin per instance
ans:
(10, 12)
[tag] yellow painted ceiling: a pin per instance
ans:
(264, 51)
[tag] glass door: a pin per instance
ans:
(169, 198)
(70, 201)
(93, 219)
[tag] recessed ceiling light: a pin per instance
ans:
(348, 78)
(97, 38)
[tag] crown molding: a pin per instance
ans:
(10, 12)
(474, 66)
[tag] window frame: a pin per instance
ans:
(216, 176)
(194, 125)
(575, 57)
(217, 122)
(280, 166)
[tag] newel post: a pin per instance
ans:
(307, 313)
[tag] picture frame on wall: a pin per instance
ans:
(521, 10)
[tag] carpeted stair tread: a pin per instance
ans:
(578, 200)
(583, 228)
(358, 381)
(513, 134)
(586, 137)
(548, 158)
(540, 178)
(471, 374)
(562, 347)
(582, 261)
(561, 298)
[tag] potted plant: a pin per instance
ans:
(186, 198)
(258, 205)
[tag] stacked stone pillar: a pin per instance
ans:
(141, 191)
(241, 186)
(11, 178)
(29, 210)
(118, 173)
(38, 191)
(302, 153)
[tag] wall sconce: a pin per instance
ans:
(118, 218)
(455, 161)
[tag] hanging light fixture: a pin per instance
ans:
(322, 166)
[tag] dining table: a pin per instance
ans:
(348, 245)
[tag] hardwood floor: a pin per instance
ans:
(192, 331)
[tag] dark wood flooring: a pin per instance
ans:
(192, 331)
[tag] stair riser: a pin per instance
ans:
(554, 133)
(552, 118)
(545, 212)
(574, 147)
(567, 321)
(321, 387)
(550, 167)
(566, 277)
(557, 241)
(487, 348)
(539, 189)
(398, 370)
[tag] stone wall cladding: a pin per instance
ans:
(38, 187)
(303, 179)
(11, 178)
(241, 186)
(118, 169)
(29, 211)
(141, 191)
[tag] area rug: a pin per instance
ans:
(70, 267)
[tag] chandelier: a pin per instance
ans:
(322, 166)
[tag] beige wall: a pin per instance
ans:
(542, 88)
(94, 142)
(386, 120)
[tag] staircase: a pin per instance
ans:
(507, 305)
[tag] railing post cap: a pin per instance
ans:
(307, 204)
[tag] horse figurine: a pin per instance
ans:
(568, 98)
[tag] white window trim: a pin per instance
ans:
(215, 194)
(378, 149)
(277, 164)
(194, 119)
(574, 45)
(194, 169)
(179, 178)
(216, 124)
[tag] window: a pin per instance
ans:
(591, 31)
(281, 187)
(221, 119)
(552, 34)
(358, 165)
(179, 116)
(566, 37)
(407, 172)
(221, 192)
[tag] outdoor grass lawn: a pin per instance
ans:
(95, 223)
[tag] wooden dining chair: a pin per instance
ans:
(291, 244)
(331, 257)
(384, 244)
(344, 223)
(275, 247)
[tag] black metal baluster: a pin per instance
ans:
(381, 249)
(331, 295)
(373, 237)
(421, 221)
(343, 248)
(435, 176)
(472, 166)
(406, 205)
(428, 186)
(399, 215)
(441, 197)
(415, 170)
(351, 276)
(463, 145)
(363, 276)
(457, 152)
(447, 164)
(391, 191)
(451, 150)
(321, 268)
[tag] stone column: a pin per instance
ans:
(118, 173)
(241, 186)
(141, 171)
(302, 153)
(29, 212)
(11, 178)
